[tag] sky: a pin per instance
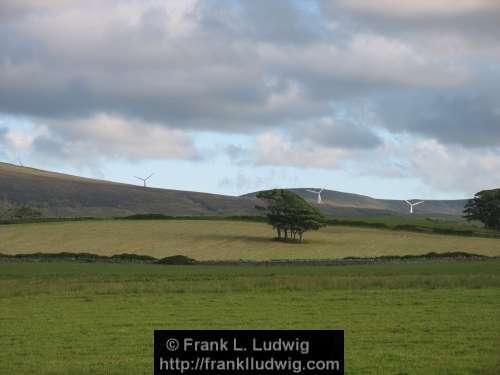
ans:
(390, 98)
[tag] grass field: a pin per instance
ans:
(70, 318)
(226, 240)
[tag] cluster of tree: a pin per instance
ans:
(20, 213)
(485, 207)
(290, 215)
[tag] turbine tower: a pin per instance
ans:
(144, 179)
(413, 205)
(319, 201)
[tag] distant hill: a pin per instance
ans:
(61, 195)
(347, 204)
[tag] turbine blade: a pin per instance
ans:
(408, 202)
(139, 178)
(147, 178)
(418, 203)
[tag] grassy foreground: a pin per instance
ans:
(71, 318)
(226, 240)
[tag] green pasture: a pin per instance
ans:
(422, 318)
(226, 240)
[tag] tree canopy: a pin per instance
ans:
(485, 207)
(290, 215)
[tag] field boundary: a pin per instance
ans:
(413, 228)
(183, 260)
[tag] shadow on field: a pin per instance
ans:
(253, 239)
(234, 237)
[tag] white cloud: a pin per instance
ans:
(442, 168)
(374, 57)
(86, 141)
(454, 168)
(116, 136)
(20, 140)
(275, 149)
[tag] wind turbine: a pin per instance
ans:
(319, 201)
(413, 205)
(144, 179)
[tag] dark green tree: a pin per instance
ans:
(485, 207)
(290, 215)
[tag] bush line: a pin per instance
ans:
(184, 260)
(413, 228)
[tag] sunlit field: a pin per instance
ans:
(226, 240)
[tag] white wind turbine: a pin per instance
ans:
(145, 179)
(413, 205)
(319, 201)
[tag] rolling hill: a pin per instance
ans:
(61, 195)
(347, 204)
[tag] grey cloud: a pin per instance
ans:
(470, 118)
(49, 148)
(245, 67)
(236, 152)
(344, 135)
(21, 8)
(280, 21)
(193, 82)
(422, 14)
(205, 78)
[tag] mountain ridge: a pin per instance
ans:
(333, 201)
(63, 195)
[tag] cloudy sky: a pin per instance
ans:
(390, 98)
